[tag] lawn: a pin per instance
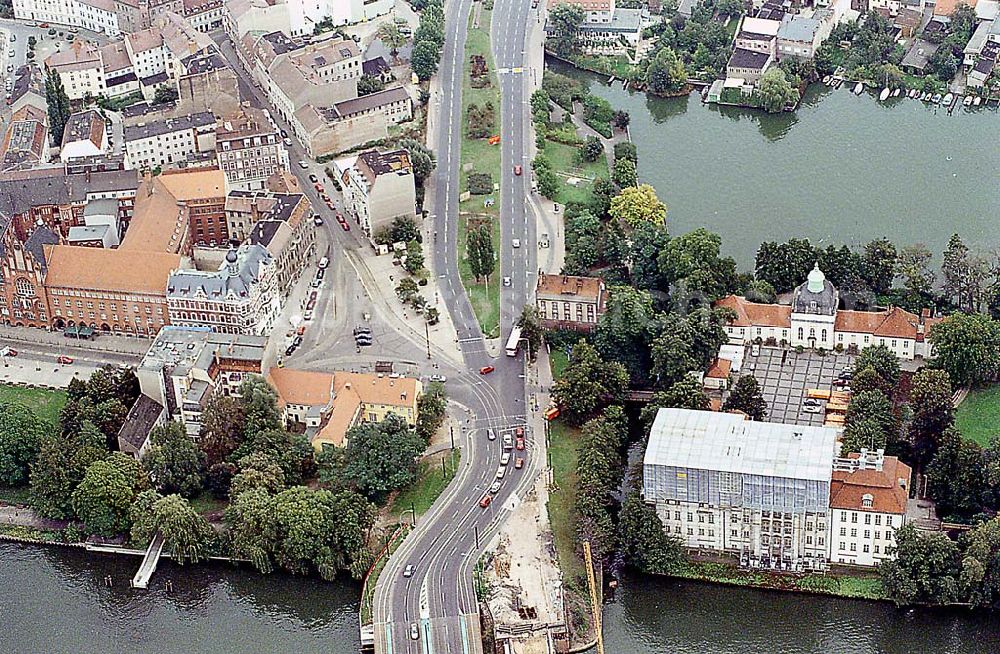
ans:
(206, 503)
(563, 451)
(978, 417)
(42, 402)
(565, 163)
(430, 483)
(483, 157)
(558, 362)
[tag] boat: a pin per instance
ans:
(826, 80)
(967, 101)
(976, 101)
(884, 95)
(896, 93)
(936, 99)
(913, 93)
(947, 100)
(925, 97)
(858, 88)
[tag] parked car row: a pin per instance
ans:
(513, 443)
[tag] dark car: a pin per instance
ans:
(290, 350)
(297, 342)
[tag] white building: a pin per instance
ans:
(80, 69)
(815, 320)
(378, 188)
(298, 17)
(93, 15)
(868, 498)
(758, 490)
(84, 136)
(171, 141)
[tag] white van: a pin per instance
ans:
(324, 262)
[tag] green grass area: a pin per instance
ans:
(483, 157)
(855, 587)
(978, 417)
(15, 495)
(615, 66)
(558, 362)
(207, 503)
(42, 402)
(564, 443)
(431, 482)
(566, 164)
(368, 590)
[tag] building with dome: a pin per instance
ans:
(814, 319)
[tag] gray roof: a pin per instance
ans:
(919, 54)
(40, 237)
(21, 191)
(141, 419)
(168, 125)
(234, 279)
(369, 102)
(182, 348)
(101, 207)
(204, 62)
(87, 233)
(751, 59)
(78, 126)
(263, 231)
(622, 20)
(153, 80)
(374, 67)
(27, 78)
(796, 28)
(280, 42)
(823, 302)
(727, 442)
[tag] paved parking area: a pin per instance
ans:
(784, 376)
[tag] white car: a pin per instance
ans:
(304, 165)
(414, 632)
(506, 281)
(287, 142)
(439, 378)
(516, 242)
(408, 570)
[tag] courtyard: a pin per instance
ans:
(785, 375)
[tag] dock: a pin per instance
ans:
(149, 562)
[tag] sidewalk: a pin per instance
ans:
(100, 343)
(25, 517)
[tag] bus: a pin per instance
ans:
(514, 342)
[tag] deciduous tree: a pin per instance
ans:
(956, 478)
(927, 569)
(645, 544)
(666, 73)
(775, 91)
(636, 204)
(186, 535)
(104, 495)
(746, 397)
(21, 434)
(382, 457)
(933, 411)
(967, 347)
(174, 462)
(588, 384)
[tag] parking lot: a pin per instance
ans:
(784, 376)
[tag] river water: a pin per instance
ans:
(840, 169)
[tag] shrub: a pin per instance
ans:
(480, 183)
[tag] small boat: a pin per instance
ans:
(936, 99)
(912, 94)
(925, 97)
(858, 88)
(967, 101)
(884, 95)
(976, 102)
(826, 80)
(947, 100)
(896, 93)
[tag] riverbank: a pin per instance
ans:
(864, 585)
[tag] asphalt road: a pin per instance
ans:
(440, 597)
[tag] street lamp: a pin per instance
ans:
(413, 513)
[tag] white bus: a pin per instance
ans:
(514, 341)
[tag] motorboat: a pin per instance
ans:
(947, 100)
(884, 95)
(936, 99)
(896, 93)
(976, 102)
(967, 101)
(826, 80)
(859, 88)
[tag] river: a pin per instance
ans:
(841, 169)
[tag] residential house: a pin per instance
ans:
(606, 29)
(238, 298)
(569, 302)
(249, 149)
(377, 68)
(286, 229)
(917, 57)
(748, 65)
(298, 17)
(379, 188)
(145, 414)
(986, 63)
(204, 15)
(119, 73)
(80, 68)
(94, 15)
(815, 320)
(85, 135)
(757, 35)
(800, 37)
(28, 88)
(171, 141)
(26, 139)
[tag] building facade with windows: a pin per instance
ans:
(379, 188)
(756, 490)
(170, 141)
(249, 149)
(570, 302)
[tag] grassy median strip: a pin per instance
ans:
(480, 157)
(44, 403)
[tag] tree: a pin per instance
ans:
(407, 289)
(746, 397)
(866, 379)
(624, 174)
(106, 492)
(531, 328)
(648, 240)
(954, 268)
(292, 452)
(926, 569)
(257, 471)
(665, 74)
(626, 150)
(981, 564)
(687, 393)
(933, 411)
(943, 63)
(382, 457)
(761, 292)
(636, 204)
(583, 236)
(645, 545)
(431, 407)
(599, 469)
(248, 518)
(424, 59)
(423, 162)
(222, 428)
(21, 434)
(57, 102)
(913, 266)
(482, 259)
(260, 406)
(956, 480)
(882, 360)
(588, 384)
(592, 149)
(565, 20)
(621, 120)
(695, 259)
(165, 94)
(879, 264)
(869, 423)
(186, 535)
(967, 347)
(775, 91)
(389, 34)
(174, 462)
(414, 257)
(368, 84)
(623, 332)
(785, 265)
(219, 479)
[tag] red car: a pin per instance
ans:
(519, 443)
(518, 170)
(485, 502)
(329, 205)
(344, 224)
(519, 432)
(519, 463)
(326, 198)
(319, 187)
(65, 360)
(485, 370)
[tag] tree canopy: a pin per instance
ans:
(637, 204)
(588, 384)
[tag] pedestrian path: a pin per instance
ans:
(128, 345)
(25, 517)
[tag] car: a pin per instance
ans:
(408, 570)
(344, 225)
(301, 330)
(439, 378)
(43, 25)
(70, 37)
(52, 31)
(519, 443)
(323, 262)
(65, 360)
(308, 315)
(506, 281)
(311, 304)
(847, 375)
(505, 458)
(811, 401)
(313, 178)
(414, 631)
(501, 471)
(485, 370)
(321, 273)
(316, 283)
(491, 435)
(287, 142)
(290, 350)
(518, 170)
(840, 382)
(755, 350)
(316, 185)
(508, 443)
(297, 341)
(485, 502)
(363, 342)
(519, 431)
(317, 221)
(303, 164)
(516, 242)
(8, 352)
(323, 196)
(812, 408)
(284, 134)
(329, 205)
(362, 330)
(518, 463)
(10, 68)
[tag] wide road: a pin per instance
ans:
(439, 597)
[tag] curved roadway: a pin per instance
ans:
(440, 596)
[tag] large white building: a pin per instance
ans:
(170, 141)
(815, 320)
(298, 17)
(379, 188)
(759, 490)
(93, 15)
(774, 495)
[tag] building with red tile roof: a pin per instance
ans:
(570, 302)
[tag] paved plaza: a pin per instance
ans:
(784, 376)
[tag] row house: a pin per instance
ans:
(170, 141)
(297, 17)
(249, 149)
(378, 188)
(285, 228)
(94, 15)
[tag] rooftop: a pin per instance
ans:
(886, 484)
(99, 269)
(750, 59)
(375, 67)
(234, 279)
(728, 442)
(370, 101)
(589, 288)
(796, 28)
(301, 387)
(160, 219)
(184, 348)
(762, 26)
(84, 126)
